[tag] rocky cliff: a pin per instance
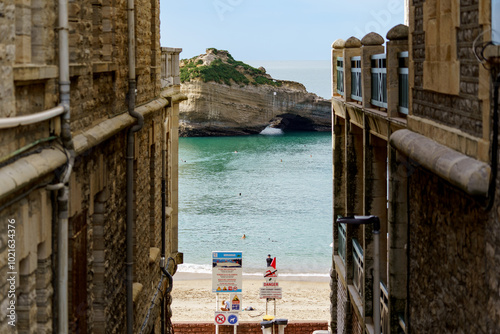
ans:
(228, 97)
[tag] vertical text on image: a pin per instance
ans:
(11, 273)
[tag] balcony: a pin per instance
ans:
(170, 67)
(373, 76)
(370, 101)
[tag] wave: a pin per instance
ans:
(194, 268)
(207, 269)
(269, 131)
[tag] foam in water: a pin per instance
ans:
(269, 131)
(207, 269)
(194, 268)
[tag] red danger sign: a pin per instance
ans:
(220, 318)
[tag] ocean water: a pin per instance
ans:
(314, 74)
(275, 188)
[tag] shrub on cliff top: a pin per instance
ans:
(226, 72)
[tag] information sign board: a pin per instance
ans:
(227, 272)
(270, 292)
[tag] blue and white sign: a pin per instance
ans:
(227, 271)
(232, 319)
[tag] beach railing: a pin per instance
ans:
(357, 253)
(356, 91)
(340, 76)
(385, 321)
(403, 82)
(379, 80)
(342, 241)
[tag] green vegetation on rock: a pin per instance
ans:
(223, 69)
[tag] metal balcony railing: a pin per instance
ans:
(403, 82)
(342, 241)
(340, 76)
(357, 253)
(385, 321)
(356, 91)
(402, 324)
(379, 80)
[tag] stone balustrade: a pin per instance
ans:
(365, 72)
(170, 66)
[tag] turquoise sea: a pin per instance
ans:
(275, 188)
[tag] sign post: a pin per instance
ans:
(227, 272)
(271, 289)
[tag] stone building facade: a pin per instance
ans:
(65, 185)
(416, 144)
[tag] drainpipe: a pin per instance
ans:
(63, 198)
(163, 223)
(494, 144)
(130, 165)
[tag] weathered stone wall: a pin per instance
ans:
(33, 249)
(442, 242)
(492, 254)
(453, 240)
(343, 309)
(24, 27)
(104, 198)
(98, 61)
(449, 292)
(461, 111)
(98, 52)
(356, 323)
(7, 57)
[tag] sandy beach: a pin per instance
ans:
(304, 298)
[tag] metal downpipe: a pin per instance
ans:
(130, 166)
(163, 224)
(63, 199)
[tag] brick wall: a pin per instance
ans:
(293, 327)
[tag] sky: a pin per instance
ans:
(272, 29)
